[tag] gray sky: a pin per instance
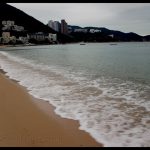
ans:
(126, 17)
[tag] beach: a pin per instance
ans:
(68, 95)
(26, 121)
(3, 46)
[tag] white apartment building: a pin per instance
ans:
(52, 37)
(18, 28)
(111, 35)
(24, 40)
(5, 37)
(94, 30)
(97, 30)
(51, 24)
(13, 39)
(81, 30)
(9, 23)
(57, 26)
(6, 27)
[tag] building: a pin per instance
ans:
(57, 26)
(70, 29)
(39, 36)
(51, 24)
(52, 37)
(18, 28)
(112, 36)
(81, 30)
(5, 37)
(12, 40)
(10, 25)
(4, 22)
(94, 30)
(64, 27)
(22, 39)
(8, 28)
(8, 38)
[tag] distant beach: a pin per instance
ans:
(2, 46)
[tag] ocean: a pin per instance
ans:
(105, 87)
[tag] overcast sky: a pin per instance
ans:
(126, 17)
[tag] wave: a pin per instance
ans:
(113, 111)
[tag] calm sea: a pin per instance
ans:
(105, 87)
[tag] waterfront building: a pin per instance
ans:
(5, 37)
(12, 39)
(24, 40)
(64, 27)
(39, 36)
(52, 37)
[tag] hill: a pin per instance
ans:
(8, 12)
(32, 25)
(105, 35)
(147, 38)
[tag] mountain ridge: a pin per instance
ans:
(30, 24)
(33, 25)
(105, 32)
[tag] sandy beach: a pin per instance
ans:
(26, 121)
(3, 46)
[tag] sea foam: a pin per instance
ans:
(114, 112)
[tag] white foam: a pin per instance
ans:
(118, 116)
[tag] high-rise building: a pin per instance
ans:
(64, 27)
(51, 24)
(57, 26)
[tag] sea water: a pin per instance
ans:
(105, 87)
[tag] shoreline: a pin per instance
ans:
(40, 126)
(31, 44)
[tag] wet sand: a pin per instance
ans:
(26, 121)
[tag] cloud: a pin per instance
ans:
(120, 16)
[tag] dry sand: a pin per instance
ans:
(25, 121)
(2, 46)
